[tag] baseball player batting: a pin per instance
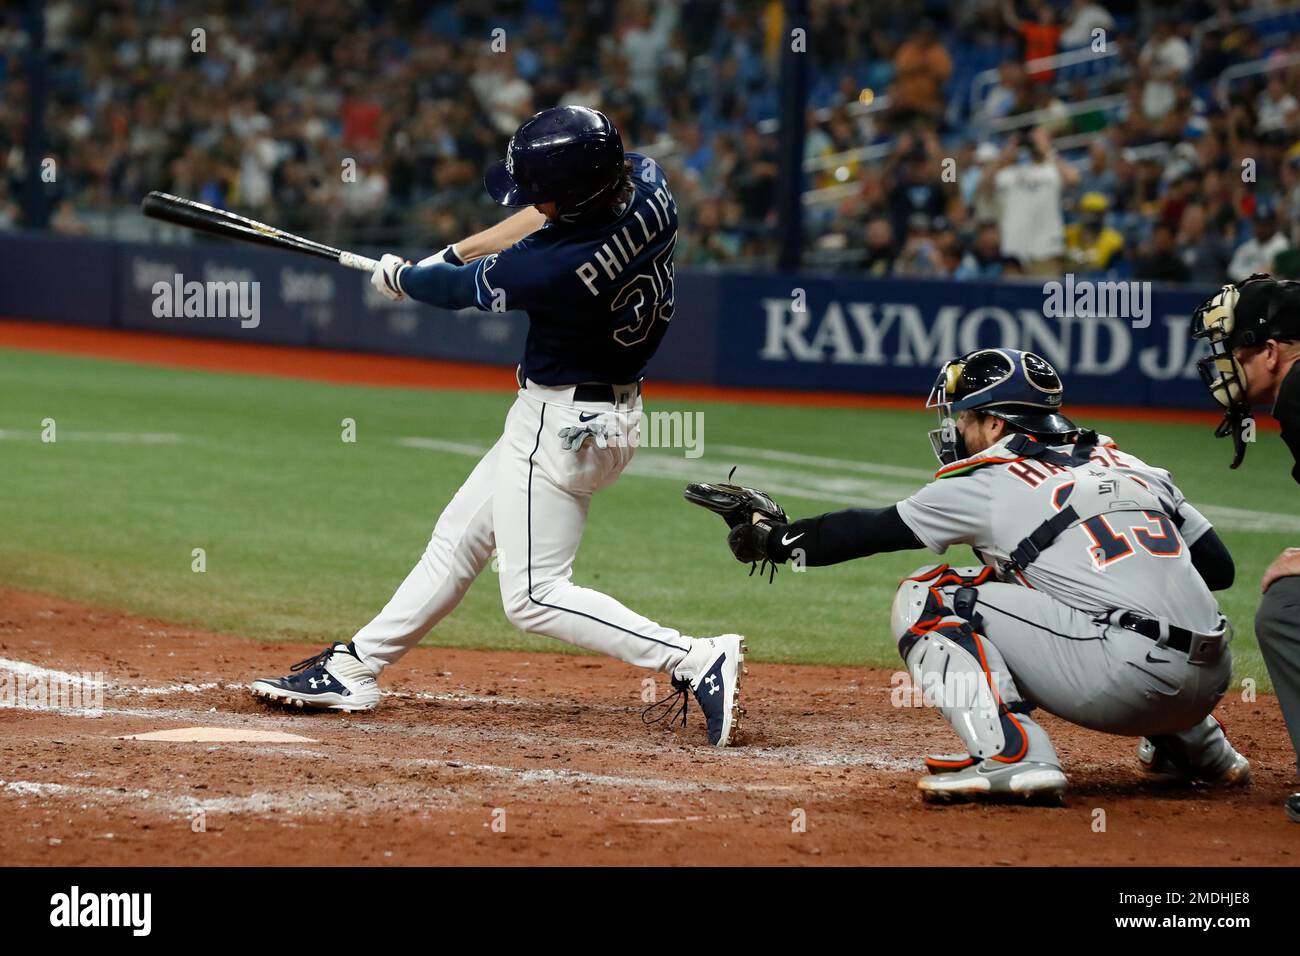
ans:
(591, 263)
(1093, 599)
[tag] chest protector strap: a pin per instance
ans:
(1097, 490)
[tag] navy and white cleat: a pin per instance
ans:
(717, 688)
(711, 674)
(335, 679)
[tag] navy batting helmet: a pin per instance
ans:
(567, 155)
(1019, 387)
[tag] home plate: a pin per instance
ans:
(220, 735)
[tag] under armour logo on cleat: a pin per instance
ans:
(324, 681)
(713, 684)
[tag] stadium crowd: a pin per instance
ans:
(931, 148)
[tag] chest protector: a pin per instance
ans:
(1098, 490)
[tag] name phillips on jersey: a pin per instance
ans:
(614, 255)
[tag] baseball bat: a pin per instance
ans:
(219, 222)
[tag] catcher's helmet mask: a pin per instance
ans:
(569, 155)
(1019, 387)
(1240, 316)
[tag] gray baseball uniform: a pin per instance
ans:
(1056, 620)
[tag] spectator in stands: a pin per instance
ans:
(1162, 64)
(1202, 250)
(982, 201)
(1276, 109)
(10, 215)
(1098, 176)
(1028, 185)
(984, 259)
(922, 254)
(1091, 246)
(1216, 192)
(1009, 95)
(753, 178)
(1083, 18)
(1286, 264)
(1178, 194)
(1256, 254)
(921, 68)
(505, 97)
(708, 239)
(917, 184)
(880, 252)
(645, 44)
(870, 201)
(1054, 115)
(1040, 34)
(1211, 58)
(1159, 260)
(424, 110)
(1290, 188)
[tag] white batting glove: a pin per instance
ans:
(447, 255)
(387, 275)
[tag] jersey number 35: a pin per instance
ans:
(646, 299)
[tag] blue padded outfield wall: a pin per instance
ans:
(770, 331)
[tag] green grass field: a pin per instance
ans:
(306, 536)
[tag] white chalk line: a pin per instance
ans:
(655, 464)
(113, 689)
(116, 438)
(840, 489)
(298, 801)
(782, 756)
(85, 681)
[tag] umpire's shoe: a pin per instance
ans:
(335, 679)
(713, 669)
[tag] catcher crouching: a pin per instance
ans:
(1092, 599)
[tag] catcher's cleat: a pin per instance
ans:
(1025, 780)
(335, 679)
(949, 763)
(1292, 807)
(1160, 767)
(711, 672)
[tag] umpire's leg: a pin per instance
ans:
(1277, 628)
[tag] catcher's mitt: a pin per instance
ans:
(738, 505)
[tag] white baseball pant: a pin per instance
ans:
(528, 498)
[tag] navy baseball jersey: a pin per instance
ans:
(599, 294)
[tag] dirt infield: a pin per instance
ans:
(550, 749)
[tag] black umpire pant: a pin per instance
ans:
(1277, 628)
